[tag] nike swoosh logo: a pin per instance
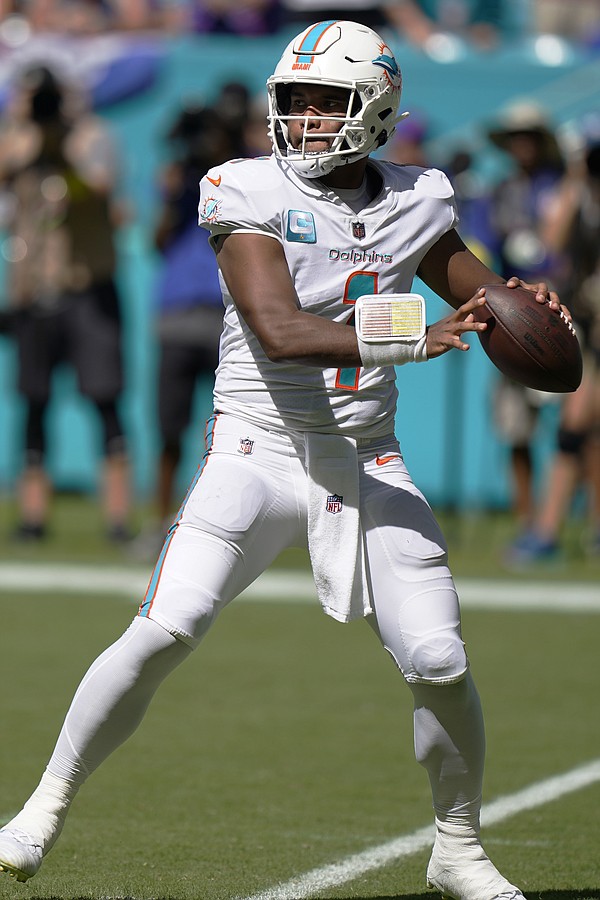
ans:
(382, 460)
(215, 181)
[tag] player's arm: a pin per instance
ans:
(451, 270)
(258, 278)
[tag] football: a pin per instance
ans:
(528, 341)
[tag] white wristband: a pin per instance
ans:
(396, 353)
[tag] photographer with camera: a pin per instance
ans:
(58, 170)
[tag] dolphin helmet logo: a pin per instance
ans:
(387, 62)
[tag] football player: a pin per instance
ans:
(318, 246)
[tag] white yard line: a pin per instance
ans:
(336, 874)
(285, 586)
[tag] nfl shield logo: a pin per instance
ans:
(358, 230)
(334, 503)
(246, 446)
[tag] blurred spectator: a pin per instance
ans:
(407, 145)
(59, 169)
(245, 118)
(473, 202)
(367, 12)
(519, 205)
(243, 17)
(579, 21)
(79, 16)
(256, 138)
(573, 225)
(189, 305)
(233, 104)
(420, 21)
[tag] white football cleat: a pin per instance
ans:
(20, 856)
(460, 868)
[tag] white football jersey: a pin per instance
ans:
(334, 256)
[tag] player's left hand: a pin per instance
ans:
(542, 295)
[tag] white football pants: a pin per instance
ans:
(248, 503)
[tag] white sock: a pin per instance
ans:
(450, 744)
(43, 816)
(113, 696)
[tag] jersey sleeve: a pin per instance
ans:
(439, 203)
(239, 196)
(431, 198)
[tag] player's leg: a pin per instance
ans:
(34, 489)
(189, 356)
(38, 350)
(176, 387)
(107, 708)
(116, 477)
(175, 390)
(593, 461)
(417, 618)
(515, 419)
(239, 514)
(94, 338)
(248, 501)
(567, 467)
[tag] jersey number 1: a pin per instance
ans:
(357, 284)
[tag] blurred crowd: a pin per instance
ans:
(62, 206)
(541, 222)
(481, 22)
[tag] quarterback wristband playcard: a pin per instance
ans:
(384, 318)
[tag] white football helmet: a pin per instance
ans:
(343, 55)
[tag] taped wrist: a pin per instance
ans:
(394, 354)
(390, 329)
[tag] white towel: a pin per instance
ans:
(335, 539)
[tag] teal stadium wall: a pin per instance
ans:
(444, 419)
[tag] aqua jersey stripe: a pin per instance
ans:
(146, 604)
(209, 436)
(311, 39)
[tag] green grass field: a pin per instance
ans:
(284, 744)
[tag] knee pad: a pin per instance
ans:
(424, 637)
(438, 658)
(570, 442)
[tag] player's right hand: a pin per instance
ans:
(446, 334)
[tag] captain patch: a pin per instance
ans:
(301, 227)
